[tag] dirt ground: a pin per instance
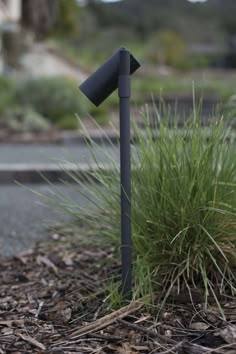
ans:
(54, 299)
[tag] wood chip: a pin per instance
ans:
(32, 341)
(229, 334)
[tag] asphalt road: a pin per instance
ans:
(33, 154)
(24, 219)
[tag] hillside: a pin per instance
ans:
(144, 17)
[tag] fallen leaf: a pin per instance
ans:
(199, 326)
(7, 331)
(168, 333)
(66, 314)
(6, 323)
(61, 313)
(229, 334)
(126, 349)
(11, 323)
(68, 260)
(5, 300)
(139, 348)
(55, 237)
(142, 319)
(230, 305)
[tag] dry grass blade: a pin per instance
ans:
(107, 320)
(173, 349)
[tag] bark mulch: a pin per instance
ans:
(53, 299)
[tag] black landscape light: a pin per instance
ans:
(115, 73)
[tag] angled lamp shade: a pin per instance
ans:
(104, 80)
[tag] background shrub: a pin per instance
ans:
(167, 48)
(54, 98)
(101, 114)
(67, 21)
(69, 122)
(25, 119)
(230, 107)
(184, 233)
(7, 87)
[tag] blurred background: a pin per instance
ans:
(48, 47)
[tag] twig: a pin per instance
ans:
(147, 331)
(173, 349)
(39, 309)
(187, 346)
(109, 338)
(107, 320)
(95, 338)
(198, 349)
(219, 350)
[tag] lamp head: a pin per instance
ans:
(100, 84)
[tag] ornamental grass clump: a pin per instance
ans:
(183, 207)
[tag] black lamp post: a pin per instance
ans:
(115, 73)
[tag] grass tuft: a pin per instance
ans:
(183, 207)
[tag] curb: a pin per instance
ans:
(43, 173)
(74, 138)
(64, 138)
(56, 172)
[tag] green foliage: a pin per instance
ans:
(115, 297)
(94, 48)
(167, 48)
(184, 233)
(67, 21)
(145, 17)
(183, 207)
(230, 107)
(101, 114)
(69, 122)
(25, 119)
(7, 87)
(197, 61)
(53, 98)
(229, 23)
(212, 21)
(218, 85)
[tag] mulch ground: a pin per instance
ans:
(53, 299)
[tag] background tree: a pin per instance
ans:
(67, 17)
(40, 16)
(167, 48)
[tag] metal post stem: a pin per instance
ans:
(125, 166)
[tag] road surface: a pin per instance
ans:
(24, 219)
